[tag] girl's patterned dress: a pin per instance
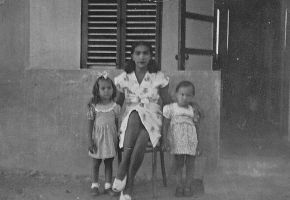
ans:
(143, 98)
(104, 134)
(182, 134)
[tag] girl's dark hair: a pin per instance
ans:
(185, 84)
(96, 96)
(130, 65)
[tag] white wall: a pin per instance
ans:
(55, 34)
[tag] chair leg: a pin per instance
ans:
(119, 155)
(154, 166)
(163, 168)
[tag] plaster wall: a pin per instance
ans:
(55, 33)
(14, 27)
(169, 36)
(46, 129)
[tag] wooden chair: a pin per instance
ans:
(154, 151)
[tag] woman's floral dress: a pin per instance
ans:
(142, 98)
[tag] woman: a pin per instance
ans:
(142, 87)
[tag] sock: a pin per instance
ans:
(108, 186)
(95, 185)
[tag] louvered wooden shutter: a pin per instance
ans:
(141, 18)
(102, 32)
(109, 27)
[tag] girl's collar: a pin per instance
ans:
(105, 108)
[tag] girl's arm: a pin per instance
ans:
(197, 109)
(196, 119)
(91, 119)
(92, 147)
(198, 148)
(164, 95)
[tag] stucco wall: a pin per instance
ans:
(14, 27)
(44, 126)
(44, 93)
(55, 33)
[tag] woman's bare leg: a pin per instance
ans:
(136, 159)
(131, 135)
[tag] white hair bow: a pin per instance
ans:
(103, 74)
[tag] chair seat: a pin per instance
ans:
(149, 147)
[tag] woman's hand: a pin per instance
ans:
(120, 98)
(165, 96)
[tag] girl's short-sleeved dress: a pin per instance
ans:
(182, 134)
(105, 135)
(142, 98)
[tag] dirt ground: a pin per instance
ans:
(249, 169)
(33, 185)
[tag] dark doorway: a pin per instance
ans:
(251, 72)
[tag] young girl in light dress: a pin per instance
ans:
(179, 121)
(103, 137)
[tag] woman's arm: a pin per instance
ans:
(164, 95)
(165, 126)
(120, 98)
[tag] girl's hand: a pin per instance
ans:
(198, 150)
(92, 147)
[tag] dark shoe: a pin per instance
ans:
(198, 187)
(179, 192)
(187, 192)
(111, 192)
(95, 191)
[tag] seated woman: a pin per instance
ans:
(140, 87)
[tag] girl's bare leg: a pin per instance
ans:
(95, 169)
(179, 162)
(189, 164)
(131, 135)
(108, 170)
(136, 159)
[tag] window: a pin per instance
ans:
(198, 19)
(109, 27)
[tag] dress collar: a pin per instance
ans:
(134, 77)
(105, 108)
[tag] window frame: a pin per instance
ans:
(121, 35)
(183, 52)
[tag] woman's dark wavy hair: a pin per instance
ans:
(130, 65)
(96, 95)
(185, 84)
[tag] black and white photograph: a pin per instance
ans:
(144, 99)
